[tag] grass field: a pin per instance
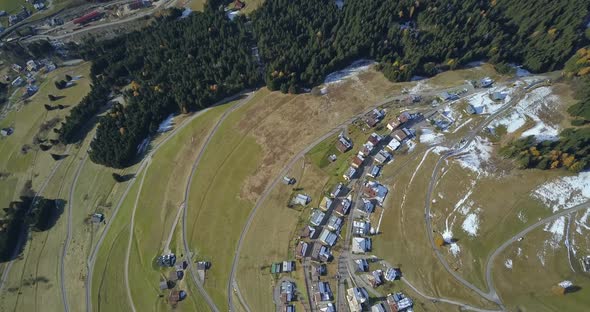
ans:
(160, 197)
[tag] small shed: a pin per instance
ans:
(97, 218)
(288, 180)
(301, 199)
(163, 285)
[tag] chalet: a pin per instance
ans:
(30, 90)
(446, 96)
(301, 199)
(276, 268)
(288, 266)
(374, 117)
(97, 218)
(383, 157)
(357, 161)
(349, 174)
(392, 274)
(498, 96)
(374, 172)
(320, 253)
(167, 260)
(393, 145)
(362, 265)
(323, 293)
(399, 302)
(326, 307)
(326, 203)
(17, 68)
(399, 135)
(334, 223)
(343, 144)
(472, 109)
(379, 307)
(288, 180)
(163, 285)
(404, 117)
(172, 276)
(301, 250)
(337, 190)
(374, 190)
(354, 305)
(17, 82)
(486, 82)
(287, 291)
(308, 232)
(374, 138)
(376, 278)
(368, 206)
(367, 149)
(342, 207)
(31, 65)
(39, 6)
(360, 294)
(392, 125)
(360, 227)
(317, 217)
(361, 245)
(328, 237)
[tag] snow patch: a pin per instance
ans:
(462, 125)
(477, 154)
(232, 14)
(518, 251)
(167, 124)
(508, 263)
(521, 217)
(564, 193)
(512, 122)
(455, 249)
(557, 228)
(583, 222)
(430, 137)
(471, 224)
(440, 149)
(411, 145)
(354, 69)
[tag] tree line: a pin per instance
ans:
(182, 65)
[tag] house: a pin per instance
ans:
(374, 190)
(287, 291)
(375, 170)
(39, 6)
(393, 145)
(392, 125)
(288, 180)
(97, 218)
(392, 274)
(326, 203)
(415, 98)
(360, 227)
(343, 144)
(31, 65)
(6, 131)
(317, 217)
(17, 68)
(337, 190)
(328, 237)
(288, 266)
(399, 135)
(374, 117)
(376, 278)
(498, 96)
(367, 149)
(486, 82)
(203, 265)
(379, 307)
(342, 206)
(301, 199)
(367, 206)
(182, 265)
(326, 307)
(334, 223)
(276, 268)
(308, 232)
(17, 82)
(320, 253)
(349, 174)
(362, 265)
(301, 250)
(323, 293)
(172, 276)
(472, 109)
(332, 157)
(31, 89)
(361, 245)
(404, 117)
(167, 260)
(383, 157)
(357, 161)
(374, 139)
(399, 302)
(289, 308)
(354, 304)
(163, 285)
(446, 96)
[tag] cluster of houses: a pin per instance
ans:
(27, 75)
(170, 282)
(282, 267)
(287, 294)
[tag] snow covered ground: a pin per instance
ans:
(354, 69)
(430, 137)
(529, 107)
(167, 124)
(476, 155)
(508, 263)
(557, 229)
(564, 193)
(471, 224)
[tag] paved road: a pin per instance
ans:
(62, 280)
(130, 241)
(490, 261)
(187, 251)
(92, 259)
(21, 237)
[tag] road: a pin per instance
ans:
(66, 245)
(8, 266)
(130, 241)
(187, 251)
(92, 258)
(498, 251)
